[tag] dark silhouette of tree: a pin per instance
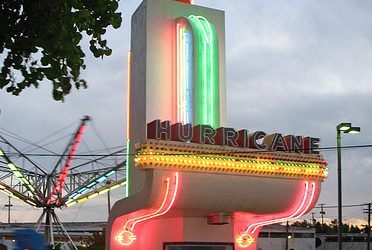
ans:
(96, 242)
(331, 228)
(354, 229)
(40, 39)
(303, 223)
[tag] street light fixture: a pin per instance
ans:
(347, 129)
(353, 130)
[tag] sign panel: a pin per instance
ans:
(206, 134)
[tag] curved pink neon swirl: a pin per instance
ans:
(245, 239)
(127, 237)
(294, 216)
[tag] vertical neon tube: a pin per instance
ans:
(189, 83)
(188, 77)
(206, 68)
(184, 72)
(128, 127)
(178, 68)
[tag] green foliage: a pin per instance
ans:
(40, 39)
(331, 228)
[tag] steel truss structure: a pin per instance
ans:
(64, 186)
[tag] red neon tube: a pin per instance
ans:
(246, 239)
(127, 237)
(58, 186)
(299, 212)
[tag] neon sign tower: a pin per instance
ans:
(191, 181)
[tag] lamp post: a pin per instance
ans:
(347, 129)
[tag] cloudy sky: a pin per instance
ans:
(294, 67)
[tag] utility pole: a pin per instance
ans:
(287, 235)
(369, 227)
(312, 217)
(322, 212)
(368, 212)
(8, 206)
(108, 182)
(339, 189)
(108, 202)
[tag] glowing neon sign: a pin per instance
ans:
(128, 122)
(193, 157)
(127, 237)
(189, 92)
(245, 239)
(21, 177)
(184, 72)
(206, 134)
(197, 71)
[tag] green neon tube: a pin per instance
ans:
(206, 68)
(20, 176)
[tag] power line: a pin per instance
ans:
(76, 155)
(206, 153)
(335, 206)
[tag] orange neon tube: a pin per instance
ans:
(128, 94)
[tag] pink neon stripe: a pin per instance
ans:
(158, 212)
(63, 175)
(298, 209)
(144, 217)
(178, 70)
(294, 216)
(169, 206)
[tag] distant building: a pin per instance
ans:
(274, 237)
(78, 231)
(351, 241)
(271, 237)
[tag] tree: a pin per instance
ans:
(303, 223)
(96, 241)
(354, 229)
(40, 39)
(331, 228)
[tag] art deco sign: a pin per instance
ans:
(183, 162)
(206, 134)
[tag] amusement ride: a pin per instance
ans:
(73, 179)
